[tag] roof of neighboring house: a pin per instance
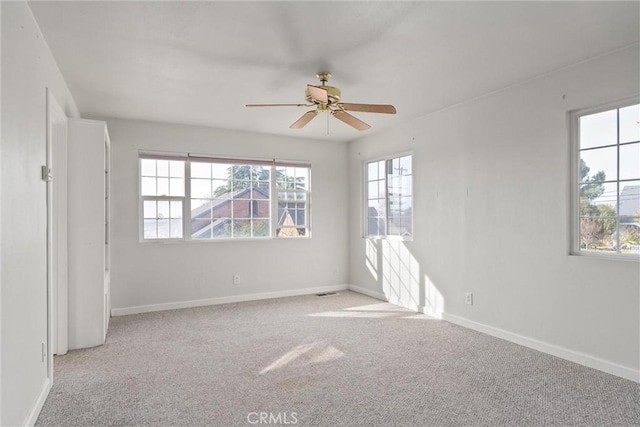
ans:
(629, 200)
(197, 212)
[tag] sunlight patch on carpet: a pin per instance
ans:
(306, 354)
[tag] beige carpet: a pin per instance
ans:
(346, 360)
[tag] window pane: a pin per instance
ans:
(150, 231)
(221, 208)
(261, 192)
(149, 209)
(262, 209)
(176, 228)
(601, 164)
(597, 234)
(163, 186)
(405, 186)
(599, 129)
(201, 208)
(163, 229)
(372, 171)
(629, 127)
(376, 226)
(201, 188)
(630, 237)
(148, 186)
(196, 203)
(221, 171)
(221, 228)
(241, 190)
(372, 192)
(598, 199)
(163, 167)
(200, 229)
(200, 170)
(261, 228)
(163, 209)
(148, 167)
(405, 165)
(176, 187)
(176, 209)
(629, 201)
(176, 169)
(242, 228)
(376, 208)
(290, 232)
(381, 169)
(220, 188)
(630, 161)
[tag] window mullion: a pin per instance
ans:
(186, 205)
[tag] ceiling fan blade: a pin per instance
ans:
(302, 121)
(318, 93)
(278, 105)
(369, 108)
(350, 120)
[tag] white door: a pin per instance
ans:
(57, 217)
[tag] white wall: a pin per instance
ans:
(157, 273)
(491, 216)
(28, 69)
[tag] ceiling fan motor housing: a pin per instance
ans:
(333, 94)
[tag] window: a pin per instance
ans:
(223, 198)
(162, 195)
(389, 197)
(292, 184)
(230, 199)
(606, 187)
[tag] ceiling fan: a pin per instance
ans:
(326, 99)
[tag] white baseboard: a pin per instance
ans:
(554, 350)
(37, 407)
(368, 292)
(225, 300)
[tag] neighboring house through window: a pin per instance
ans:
(606, 181)
(226, 198)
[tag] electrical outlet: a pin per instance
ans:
(468, 298)
(236, 279)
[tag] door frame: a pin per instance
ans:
(57, 265)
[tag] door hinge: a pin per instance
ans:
(46, 174)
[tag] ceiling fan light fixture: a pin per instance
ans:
(327, 98)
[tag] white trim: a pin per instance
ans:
(225, 300)
(32, 417)
(554, 350)
(368, 292)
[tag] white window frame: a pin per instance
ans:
(306, 192)
(365, 198)
(142, 198)
(186, 199)
(574, 180)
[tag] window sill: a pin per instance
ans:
(392, 238)
(606, 256)
(201, 241)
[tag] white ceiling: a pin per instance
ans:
(201, 62)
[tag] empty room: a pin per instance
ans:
(319, 213)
